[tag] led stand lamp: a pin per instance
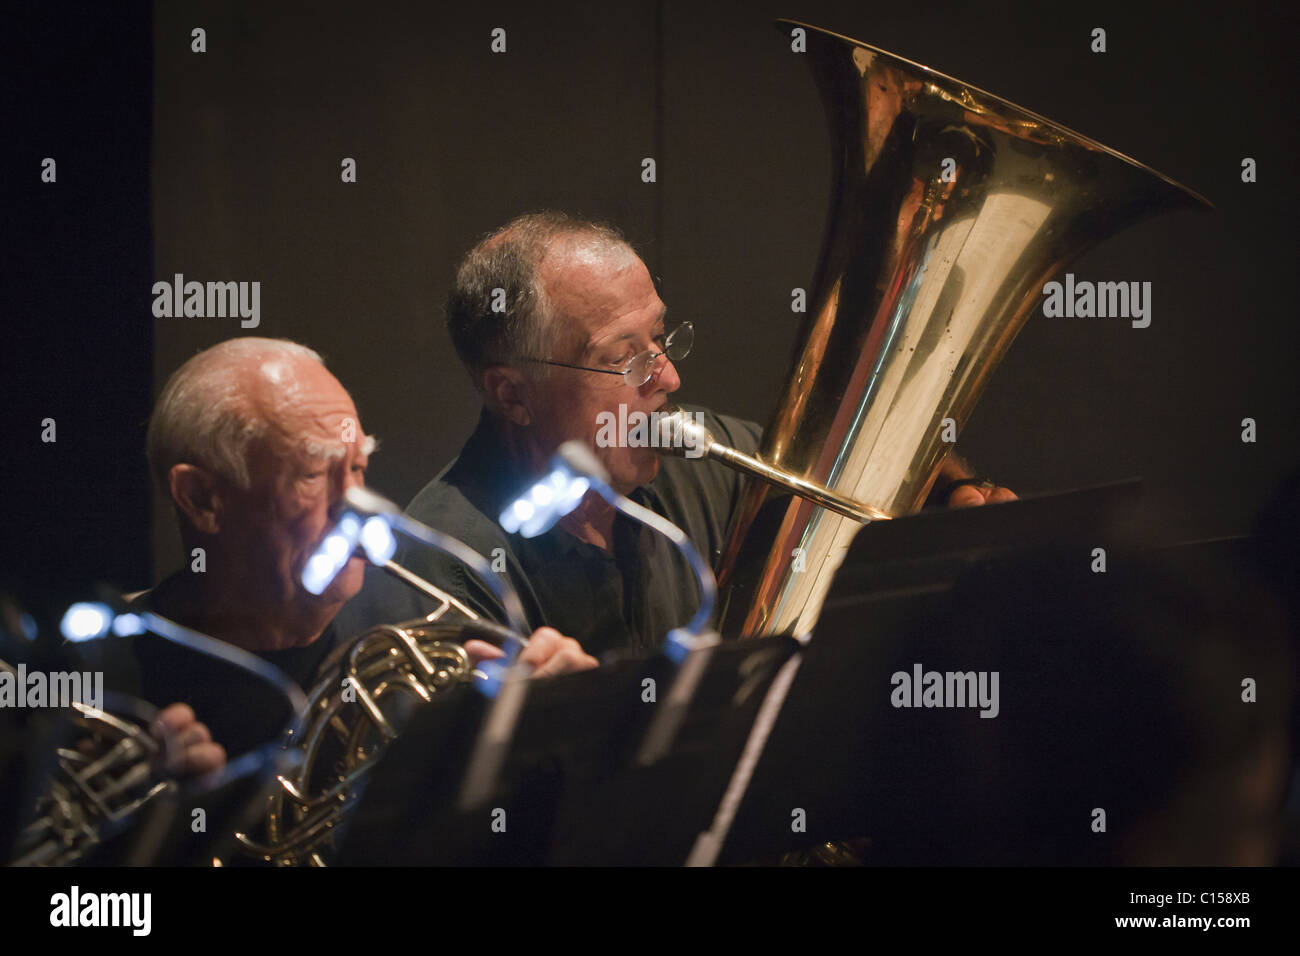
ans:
(574, 472)
(90, 620)
(369, 522)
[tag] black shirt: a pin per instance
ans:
(627, 599)
(241, 710)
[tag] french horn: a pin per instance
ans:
(366, 690)
(101, 780)
(107, 767)
(951, 208)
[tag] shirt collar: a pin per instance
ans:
(489, 476)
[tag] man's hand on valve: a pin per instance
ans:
(549, 651)
(972, 492)
(192, 750)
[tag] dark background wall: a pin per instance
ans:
(451, 140)
(76, 332)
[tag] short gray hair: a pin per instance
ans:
(508, 260)
(203, 415)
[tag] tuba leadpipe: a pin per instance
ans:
(679, 433)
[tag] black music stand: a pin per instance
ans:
(826, 753)
(571, 789)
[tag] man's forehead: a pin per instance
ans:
(595, 278)
(289, 436)
(629, 326)
(307, 409)
(281, 384)
(603, 297)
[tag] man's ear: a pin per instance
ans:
(197, 496)
(506, 392)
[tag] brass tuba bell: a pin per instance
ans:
(950, 209)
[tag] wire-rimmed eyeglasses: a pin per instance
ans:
(676, 345)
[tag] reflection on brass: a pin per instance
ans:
(349, 723)
(679, 434)
(99, 784)
(951, 208)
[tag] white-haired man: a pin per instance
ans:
(255, 442)
(560, 326)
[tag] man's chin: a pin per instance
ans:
(641, 472)
(345, 586)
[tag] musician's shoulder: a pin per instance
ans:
(463, 510)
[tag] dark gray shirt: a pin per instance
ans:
(627, 599)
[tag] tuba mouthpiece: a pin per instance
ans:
(679, 435)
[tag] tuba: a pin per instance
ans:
(366, 690)
(950, 209)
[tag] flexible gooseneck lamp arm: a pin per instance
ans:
(574, 472)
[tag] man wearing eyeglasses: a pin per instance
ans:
(559, 325)
(562, 331)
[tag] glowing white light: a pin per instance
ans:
(542, 521)
(319, 572)
(378, 540)
(332, 555)
(578, 487)
(336, 546)
(546, 502)
(128, 624)
(85, 621)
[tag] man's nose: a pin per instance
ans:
(343, 479)
(664, 376)
(353, 478)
